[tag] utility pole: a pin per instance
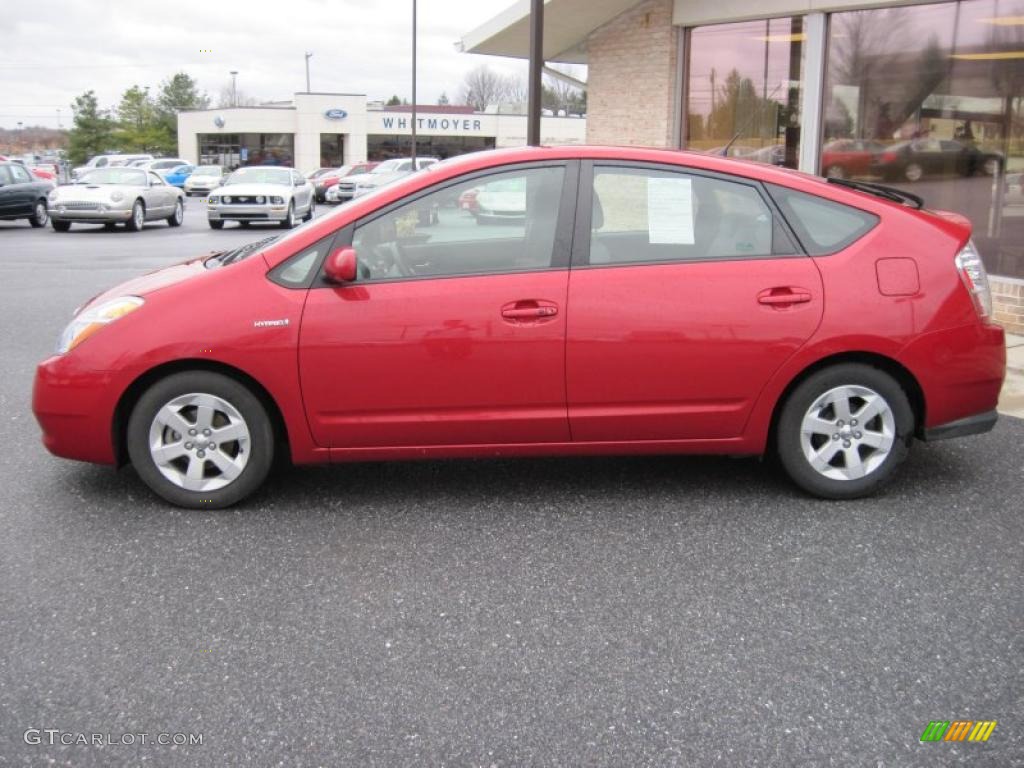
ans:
(536, 64)
(308, 56)
(412, 118)
(234, 88)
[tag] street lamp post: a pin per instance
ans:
(536, 63)
(308, 57)
(412, 149)
(234, 88)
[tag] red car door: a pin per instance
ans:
(454, 332)
(685, 296)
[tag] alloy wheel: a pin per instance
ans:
(848, 432)
(199, 442)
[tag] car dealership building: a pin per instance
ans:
(927, 96)
(329, 129)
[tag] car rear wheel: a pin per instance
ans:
(39, 215)
(289, 222)
(913, 172)
(311, 211)
(138, 218)
(216, 225)
(60, 226)
(200, 440)
(843, 432)
(178, 216)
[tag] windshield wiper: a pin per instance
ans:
(237, 254)
(881, 190)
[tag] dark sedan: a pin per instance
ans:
(22, 195)
(912, 160)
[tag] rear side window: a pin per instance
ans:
(823, 226)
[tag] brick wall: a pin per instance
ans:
(631, 77)
(1008, 303)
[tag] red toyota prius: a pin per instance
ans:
(611, 301)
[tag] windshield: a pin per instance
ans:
(207, 170)
(261, 176)
(388, 166)
(126, 176)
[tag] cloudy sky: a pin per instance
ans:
(54, 51)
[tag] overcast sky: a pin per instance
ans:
(53, 52)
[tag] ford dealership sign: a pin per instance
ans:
(335, 114)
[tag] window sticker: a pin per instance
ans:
(670, 210)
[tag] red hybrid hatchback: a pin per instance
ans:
(615, 301)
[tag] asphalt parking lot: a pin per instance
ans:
(619, 612)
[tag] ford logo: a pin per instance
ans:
(335, 114)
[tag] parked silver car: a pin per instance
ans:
(204, 179)
(111, 195)
(387, 172)
(262, 193)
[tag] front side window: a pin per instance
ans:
(502, 222)
(642, 215)
(21, 176)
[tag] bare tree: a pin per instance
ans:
(230, 98)
(483, 87)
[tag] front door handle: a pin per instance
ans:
(529, 310)
(784, 296)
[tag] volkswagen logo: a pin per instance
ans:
(218, 121)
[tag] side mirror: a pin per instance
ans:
(341, 266)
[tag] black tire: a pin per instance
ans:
(244, 224)
(789, 437)
(110, 226)
(311, 211)
(175, 219)
(261, 448)
(216, 225)
(60, 226)
(137, 220)
(289, 223)
(40, 214)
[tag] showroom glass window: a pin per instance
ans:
(744, 78)
(501, 222)
(930, 98)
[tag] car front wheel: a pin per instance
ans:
(60, 226)
(200, 440)
(39, 215)
(138, 218)
(289, 221)
(311, 211)
(844, 431)
(178, 216)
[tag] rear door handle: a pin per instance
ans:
(783, 296)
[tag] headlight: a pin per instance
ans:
(94, 318)
(277, 200)
(53, 195)
(116, 196)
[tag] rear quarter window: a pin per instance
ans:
(822, 226)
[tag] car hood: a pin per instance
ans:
(255, 189)
(355, 178)
(153, 281)
(90, 192)
(380, 179)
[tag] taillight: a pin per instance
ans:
(888, 157)
(972, 272)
